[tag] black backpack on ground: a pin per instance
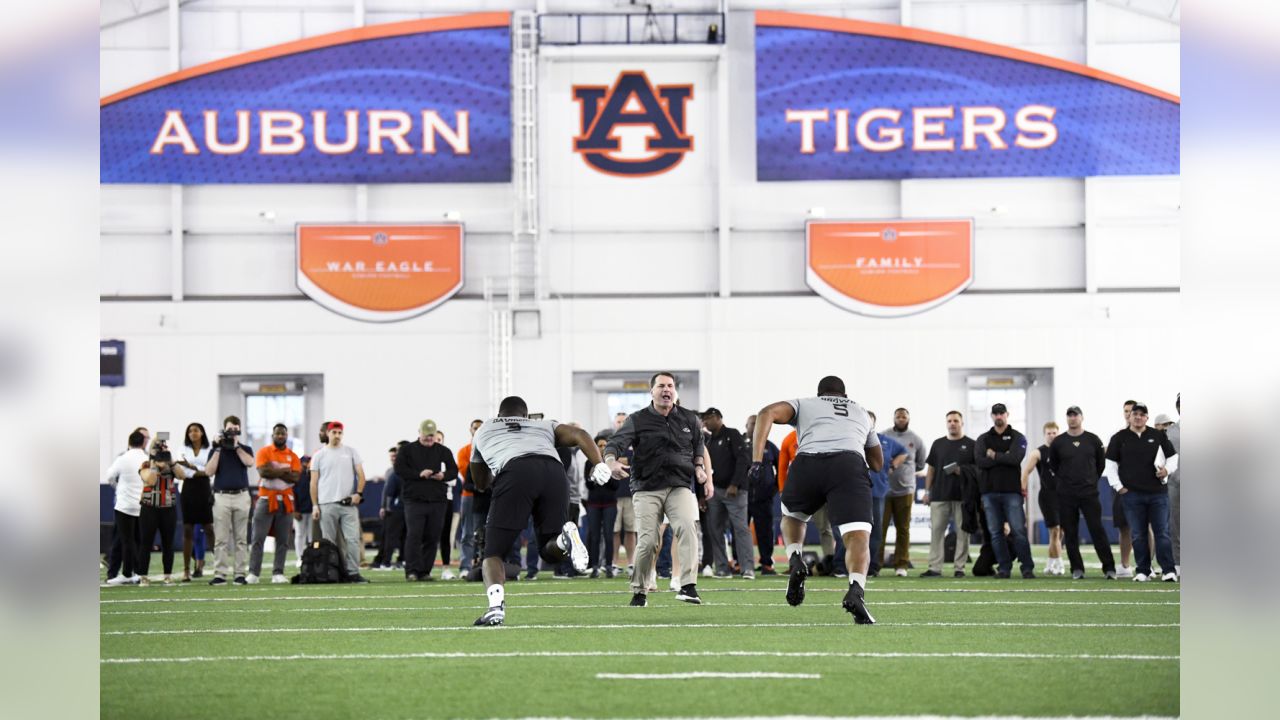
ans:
(321, 563)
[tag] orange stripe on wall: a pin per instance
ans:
(775, 18)
(342, 37)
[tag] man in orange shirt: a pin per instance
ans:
(786, 454)
(468, 519)
(278, 468)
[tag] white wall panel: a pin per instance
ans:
(133, 207)
(1156, 64)
(1008, 202)
(225, 265)
(1157, 198)
(784, 205)
(135, 264)
(259, 29)
(211, 31)
(121, 69)
(484, 207)
(768, 262)
(1028, 259)
(631, 263)
(1137, 256)
(228, 208)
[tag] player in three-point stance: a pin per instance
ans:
(836, 445)
(516, 456)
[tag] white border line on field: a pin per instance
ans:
(613, 653)
(293, 598)
(702, 675)
(608, 626)
(891, 717)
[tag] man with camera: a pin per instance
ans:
(337, 487)
(279, 469)
(229, 464)
(159, 506)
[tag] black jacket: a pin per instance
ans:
(1003, 473)
(729, 458)
(415, 457)
(665, 447)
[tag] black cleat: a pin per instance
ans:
(768, 571)
(689, 594)
(639, 600)
(853, 603)
(930, 574)
(795, 582)
(492, 616)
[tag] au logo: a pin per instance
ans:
(632, 128)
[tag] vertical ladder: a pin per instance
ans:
(525, 283)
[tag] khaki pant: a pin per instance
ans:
(826, 538)
(230, 525)
(340, 524)
(942, 512)
(898, 509)
(682, 512)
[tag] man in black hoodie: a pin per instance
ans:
(999, 453)
(425, 467)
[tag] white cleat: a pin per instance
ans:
(1170, 577)
(251, 579)
(571, 543)
(492, 616)
(279, 580)
(1140, 577)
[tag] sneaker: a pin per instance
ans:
(200, 572)
(251, 579)
(218, 581)
(722, 575)
(873, 573)
(689, 594)
(615, 572)
(1079, 574)
(144, 581)
(795, 581)
(531, 575)
(1028, 575)
(768, 571)
(1170, 577)
(240, 580)
(279, 579)
(707, 571)
(359, 579)
(930, 573)
(748, 575)
(492, 616)
(168, 580)
(1141, 577)
(136, 580)
(639, 600)
(664, 576)
(840, 573)
(958, 573)
(571, 543)
(118, 580)
(854, 604)
(1125, 572)
(675, 585)
(411, 577)
(595, 573)
(900, 572)
(1109, 574)
(447, 574)
(1002, 574)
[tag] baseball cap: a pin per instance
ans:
(1161, 419)
(1074, 410)
(999, 408)
(335, 425)
(712, 411)
(1142, 408)
(427, 427)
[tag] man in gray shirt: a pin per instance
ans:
(902, 489)
(337, 487)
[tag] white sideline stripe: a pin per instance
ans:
(702, 675)
(872, 592)
(609, 626)
(622, 590)
(894, 717)
(613, 653)
(533, 606)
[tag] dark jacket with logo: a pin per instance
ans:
(665, 447)
(729, 458)
(1003, 473)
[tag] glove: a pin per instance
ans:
(753, 472)
(600, 474)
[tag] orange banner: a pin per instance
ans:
(889, 268)
(379, 273)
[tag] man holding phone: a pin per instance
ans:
(337, 486)
(942, 493)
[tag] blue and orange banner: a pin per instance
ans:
(840, 99)
(423, 101)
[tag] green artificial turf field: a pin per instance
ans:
(950, 647)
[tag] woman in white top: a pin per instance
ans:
(196, 496)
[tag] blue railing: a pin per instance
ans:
(631, 29)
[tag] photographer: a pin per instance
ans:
(229, 463)
(159, 499)
(279, 469)
(337, 487)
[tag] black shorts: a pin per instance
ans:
(529, 486)
(196, 501)
(1118, 518)
(1048, 499)
(840, 481)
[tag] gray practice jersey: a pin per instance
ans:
(503, 439)
(832, 424)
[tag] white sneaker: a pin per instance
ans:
(279, 580)
(707, 571)
(1124, 571)
(118, 580)
(748, 576)
(1140, 578)
(675, 584)
(571, 543)
(447, 575)
(1170, 577)
(251, 579)
(900, 572)
(135, 579)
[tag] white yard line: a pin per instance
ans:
(612, 653)
(706, 675)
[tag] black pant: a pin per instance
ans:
(423, 521)
(1070, 508)
(166, 521)
(985, 565)
(708, 557)
(127, 530)
(446, 533)
(760, 512)
(392, 538)
(600, 532)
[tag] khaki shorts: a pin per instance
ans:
(626, 520)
